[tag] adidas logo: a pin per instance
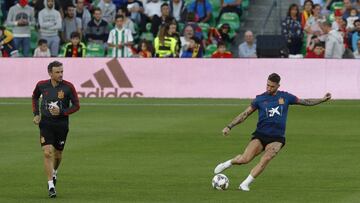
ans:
(106, 88)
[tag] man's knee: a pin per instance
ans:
(241, 159)
(48, 152)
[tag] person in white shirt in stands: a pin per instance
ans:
(120, 39)
(42, 50)
(247, 49)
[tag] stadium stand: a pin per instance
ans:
(254, 13)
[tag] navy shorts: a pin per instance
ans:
(53, 133)
(265, 140)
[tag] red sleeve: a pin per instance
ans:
(75, 104)
(35, 100)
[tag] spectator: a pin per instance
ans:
(21, 18)
(230, 6)
(39, 5)
(356, 53)
(152, 8)
(347, 8)
(42, 49)
(221, 34)
(247, 49)
(307, 6)
(312, 26)
(159, 20)
(178, 10)
(357, 5)
(97, 30)
(82, 13)
(334, 45)
(185, 39)
(355, 35)
(75, 48)
(108, 9)
(164, 44)
(7, 47)
(221, 51)
(202, 10)
(136, 9)
(119, 3)
(292, 31)
(316, 49)
(70, 24)
(174, 34)
(320, 2)
(193, 50)
(50, 24)
(120, 39)
(144, 49)
(351, 19)
(336, 25)
(128, 23)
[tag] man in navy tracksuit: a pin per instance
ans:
(53, 119)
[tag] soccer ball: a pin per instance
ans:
(220, 182)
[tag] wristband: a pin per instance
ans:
(229, 127)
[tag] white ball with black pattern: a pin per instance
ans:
(220, 182)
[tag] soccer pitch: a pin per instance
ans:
(165, 150)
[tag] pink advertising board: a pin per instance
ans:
(186, 78)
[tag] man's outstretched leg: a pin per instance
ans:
(252, 150)
(49, 166)
(270, 152)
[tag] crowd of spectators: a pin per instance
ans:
(171, 28)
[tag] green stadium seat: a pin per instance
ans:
(337, 5)
(232, 19)
(331, 18)
(181, 27)
(33, 39)
(245, 4)
(205, 29)
(109, 52)
(62, 51)
(216, 7)
(209, 50)
(95, 50)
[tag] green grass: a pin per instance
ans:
(147, 152)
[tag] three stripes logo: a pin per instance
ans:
(103, 87)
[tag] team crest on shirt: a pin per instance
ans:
(281, 100)
(61, 94)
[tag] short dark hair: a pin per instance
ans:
(97, 9)
(356, 21)
(164, 4)
(221, 43)
(75, 35)
(42, 41)
(274, 77)
(326, 24)
(119, 16)
(54, 64)
(319, 44)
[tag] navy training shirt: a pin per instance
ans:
(272, 110)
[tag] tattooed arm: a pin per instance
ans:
(239, 119)
(313, 102)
